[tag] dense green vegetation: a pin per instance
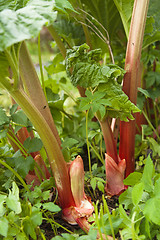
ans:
(79, 119)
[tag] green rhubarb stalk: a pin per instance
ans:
(130, 84)
(33, 88)
(55, 156)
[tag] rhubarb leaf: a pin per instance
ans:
(26, 22)
(12, 4)
(108, 97)
(87, 72)
(120, 106)
(94, 101)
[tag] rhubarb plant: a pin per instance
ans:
(105, 99)
(99, 81)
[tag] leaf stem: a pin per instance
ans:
(97, 154)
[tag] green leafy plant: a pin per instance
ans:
(141, 199)
(108, 92)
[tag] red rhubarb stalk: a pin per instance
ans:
(130, 84)
(110, 143)
(115, 167)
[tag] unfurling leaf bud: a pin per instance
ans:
(76, 172)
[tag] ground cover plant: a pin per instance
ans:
(93, 107)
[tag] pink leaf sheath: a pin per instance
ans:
(114, 175)
(84, 207)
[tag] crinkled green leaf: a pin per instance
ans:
(26, 22)
(94, 101)
(120, 106)
(12, 4)
(87, 72)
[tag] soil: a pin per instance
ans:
(49, 233)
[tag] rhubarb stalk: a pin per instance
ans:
(56, 160)
(130, 84)
(33, 88)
